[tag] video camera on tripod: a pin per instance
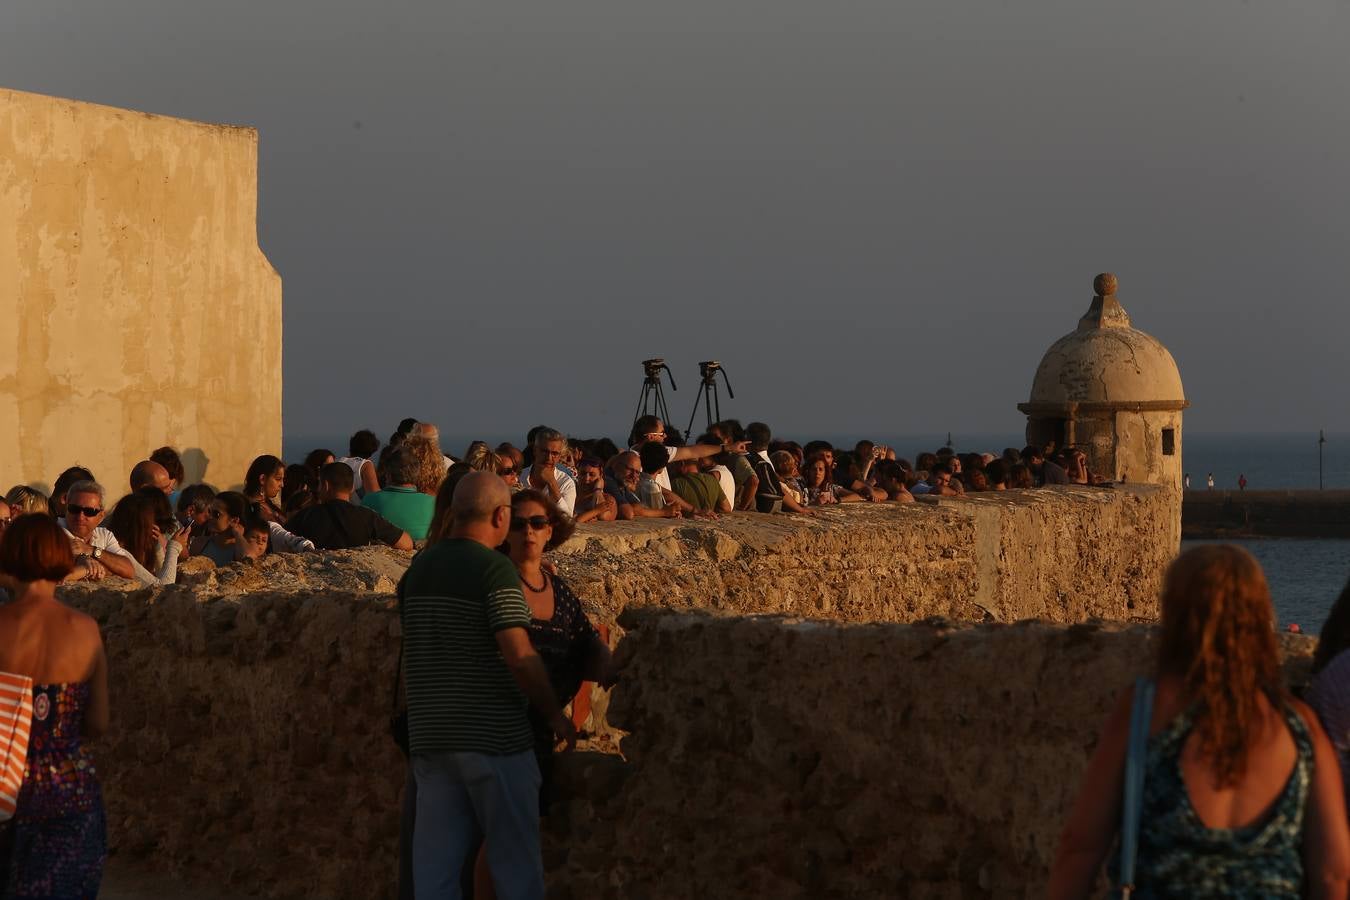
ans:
(712, 407)
(652, 400)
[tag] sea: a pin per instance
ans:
(1305, 576)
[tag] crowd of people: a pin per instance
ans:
(388, 494)
(496, 646)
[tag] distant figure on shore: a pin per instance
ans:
(1242, 482)
(1209, 481)
(1187, 481)
(1241, 784)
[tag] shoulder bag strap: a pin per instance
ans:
(1141, 714)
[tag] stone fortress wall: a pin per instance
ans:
(877, 726)
(145, 312)
(850, 757)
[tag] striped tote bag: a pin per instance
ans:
(16, 718)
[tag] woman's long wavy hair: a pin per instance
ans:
(1218, 637)
(132, 519)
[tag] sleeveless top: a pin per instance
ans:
(60, 779)
(562, 642)
(1179, 856)
(355, 463)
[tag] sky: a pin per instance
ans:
(876, 215)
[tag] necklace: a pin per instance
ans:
(543, 586)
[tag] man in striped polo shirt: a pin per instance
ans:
(469, 671)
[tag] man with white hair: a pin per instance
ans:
(96, 546)
(544, 474)
(433, 434)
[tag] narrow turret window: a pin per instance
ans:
(1169, 442)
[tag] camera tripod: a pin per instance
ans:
(652, 400)
(712, 408)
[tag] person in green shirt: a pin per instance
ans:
(400, 501)
(470, 671)
(700, 490)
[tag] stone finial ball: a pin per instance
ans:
(1104, 284)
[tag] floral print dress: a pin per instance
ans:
(1179, 856)
(57, 842)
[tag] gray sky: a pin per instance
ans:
(877, 215)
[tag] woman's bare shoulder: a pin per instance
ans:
(1309, 717)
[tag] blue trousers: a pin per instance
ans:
(463, 795)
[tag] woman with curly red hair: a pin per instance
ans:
(1241, 790)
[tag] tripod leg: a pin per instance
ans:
(661, 409)
(642, 402)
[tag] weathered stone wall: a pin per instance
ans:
(250, 703)
(1063, 554)
(250, 744)
(802, 759)
(141, 310)
(765, 756)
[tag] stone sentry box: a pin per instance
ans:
(1113, 391)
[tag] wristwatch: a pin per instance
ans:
(96, 552)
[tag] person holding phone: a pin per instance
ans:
(144, 524)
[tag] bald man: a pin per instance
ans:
(148, 473)
(470, 668)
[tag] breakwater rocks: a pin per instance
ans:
(250, 703)
(1237, 514)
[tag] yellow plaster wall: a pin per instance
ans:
(136, 308)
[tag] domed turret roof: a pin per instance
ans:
(1106, 361)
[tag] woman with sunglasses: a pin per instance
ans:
(572, 650)
(143, 523)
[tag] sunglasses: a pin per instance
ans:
(509, 470)
(87, 511)
(215, 513)
(537, 523)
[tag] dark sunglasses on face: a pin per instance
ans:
(215, 513)
(510, 470)
(537, 523)
(87, 511)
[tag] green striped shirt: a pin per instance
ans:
(462, 698)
